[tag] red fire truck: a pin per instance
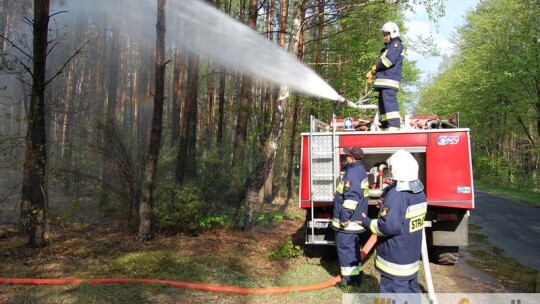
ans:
(442, 150)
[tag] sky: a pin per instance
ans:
(442, 31)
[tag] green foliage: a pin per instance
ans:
(491, 80)
(494, 171)
(286, 251)
(178, 207)
(269, 218)
(216, 221)
(184, 208)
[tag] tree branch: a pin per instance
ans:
(65, 64)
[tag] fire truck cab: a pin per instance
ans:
(444, 158)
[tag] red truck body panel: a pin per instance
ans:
(446, 172)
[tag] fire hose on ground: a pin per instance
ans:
(198, 286)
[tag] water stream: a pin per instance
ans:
(204, 30)
(211, 33)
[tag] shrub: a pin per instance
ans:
(178, 207)
(286, 251)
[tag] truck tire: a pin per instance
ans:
(446, 255)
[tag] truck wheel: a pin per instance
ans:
(447, 255)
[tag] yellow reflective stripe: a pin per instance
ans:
(383, 117)
(365, 183)
(351, 227)
(350, 204)
(387, 63)
(339, 188)
(387, 82)
(394, 114)
(397, 269)
(416, 210)
(375, 228)
(416, 223)
(354, 227)
(350, 271)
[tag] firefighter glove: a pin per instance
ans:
(374, 70)
(369, 75)
(369, 78)
(369, 81)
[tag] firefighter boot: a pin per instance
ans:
(355, 280)
(345, 281)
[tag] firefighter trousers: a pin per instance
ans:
(389, 285)
(348, 249)
(389, 109)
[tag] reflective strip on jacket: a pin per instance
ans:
(349, 200)
(390, 66)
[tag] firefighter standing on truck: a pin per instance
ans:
(399, 226)
(388, 69)
(349, 204)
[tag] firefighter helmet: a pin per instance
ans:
(404, 170)
(392, 28)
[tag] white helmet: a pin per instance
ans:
(404, 170)
(392, 28)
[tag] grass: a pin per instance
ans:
(529, 197)
(243, 263)
(164, 261)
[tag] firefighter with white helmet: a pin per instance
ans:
(399, 226)
(349, 205)
(388, 70)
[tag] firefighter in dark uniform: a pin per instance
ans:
(388, 69)
(349, 204)
(399, 226)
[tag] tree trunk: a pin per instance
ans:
(178, 88)
(292, 148)
(110, 121)
(244, 215)
(186, 167)
(295, 113)
(210, 104)
(260, 174)
(221, 110)
(145, 208)
(283, 22)
(34, 207)
(243, 118)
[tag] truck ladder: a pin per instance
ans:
(322, 159)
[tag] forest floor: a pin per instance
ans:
(260, 257)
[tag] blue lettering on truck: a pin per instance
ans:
(447, 140)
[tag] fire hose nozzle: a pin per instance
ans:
(342, 99)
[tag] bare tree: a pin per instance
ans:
(33, 217)
(145, 208)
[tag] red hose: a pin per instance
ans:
(199, 286)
